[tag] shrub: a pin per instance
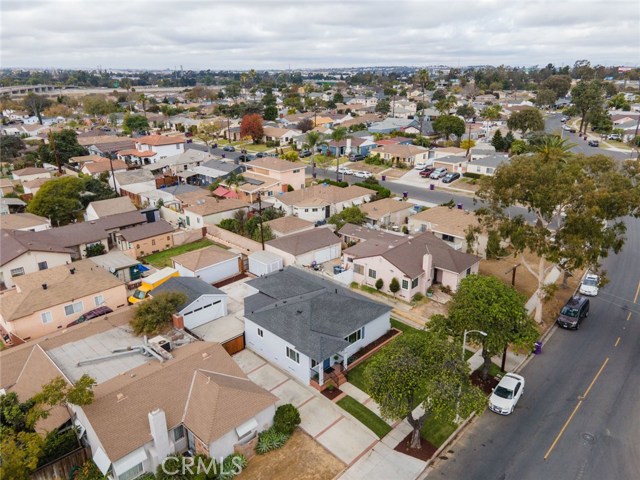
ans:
(171, 464)
(405, 230)
(289, 188)
(379, 284)
(417, 297)
(394, 285)
(88, 471)
(232, 466)
(286, 419)
(56, 445)
(269, 440)
(472, 175)
(382, 192)
(334, 183)
(446, 289)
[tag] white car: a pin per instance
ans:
(362, 174)
(348, 171)
(566, 127)
(589, 285)
(343, 170)
(420, 166)
(506, 394)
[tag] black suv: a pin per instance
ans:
(574, 311)
(356, 157)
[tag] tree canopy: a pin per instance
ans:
(349, 215)
(526, 120)
(134, 123)
(448, 125)
(61, 147)
(422, 369)
(587, 96)
(36, 104)
(251, 126)
(153, 315)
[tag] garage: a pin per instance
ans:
(211, 264)
(320, 245)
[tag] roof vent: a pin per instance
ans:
(44, 286)
(120, 397)
(72, 271)
(299, 311)
(205, 355)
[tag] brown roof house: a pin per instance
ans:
(387, 212)
(319, 202)
(50, 299)
(194, 398)
(417, 263)
(30, 173)
(211, 211)
(288, 225)
(211, 264)
(307, 248)
(24, 221)
(111, 206)
(453, 226)
(146, 239)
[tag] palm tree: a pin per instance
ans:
(339, 134)
(422, 79)
(241, 217)
(234, 179)
(142, 98)
(555, 147)
(313, 140)
(445, 105)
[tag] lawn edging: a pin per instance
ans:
(358, 361)
(365, 416)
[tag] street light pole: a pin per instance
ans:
(464, 345)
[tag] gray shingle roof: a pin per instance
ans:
(146, 230)
(309, 312)
(192, 287)
(306, 241)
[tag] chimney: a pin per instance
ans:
(159, 433)
(178, 321)
(44, 286)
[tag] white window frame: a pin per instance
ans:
(17, 272)
(405, 284)
(175, 431)
(40, 264)
(133, 472)
(357, 335)
(74, 306)
(372, 273)
(46, 318)
(293, 355)
(98, 300)
(260, 332)
(415, 282)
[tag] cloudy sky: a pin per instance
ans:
(264, 34)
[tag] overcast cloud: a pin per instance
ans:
(261, 34)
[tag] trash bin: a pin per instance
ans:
(337, 269)
(405, 195)
(459, 206)
(537, 348)
(315, 175)
(384, 177)
(432, 186)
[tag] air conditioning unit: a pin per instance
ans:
(161, 342)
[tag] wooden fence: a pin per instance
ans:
(64, 466)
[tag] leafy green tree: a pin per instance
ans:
(305, 125)
(560, 84)
(485, 303)
(338, 98)
(58, 199)
(134, 123)
(577, 201)
(422, 369)
(263, 232)
(619, 102)
(233, 91)
(438, 95)
(209, 132)
(154, 315)
(10, 146)
(587, 96)
(508, 140)
(448, 125)
(351, 215)
(339, 134)
(492, 113)
(291, 156)
(95, 250)
(97, 104)
(498, 141)
(394, 285)
(61, 147)
(313, 140)
(379, 284)
(545, 98)
(600, 120)
(526, 120)
(270, 113)
(383, 106)
(36, 104)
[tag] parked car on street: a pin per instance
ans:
(589, 285)
(614, 136)
(426, 172)
(564, 119)
(261, 154)
(574, 312)
(450, 177)
(229, 148)
(438, 173)
(363, 174)
(594, 143)
(506, 394)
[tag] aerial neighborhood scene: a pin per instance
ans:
(292, 240)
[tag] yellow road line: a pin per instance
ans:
(575, 410)
(564, 427)
(629, 317)
(637, 293)
(617, 342)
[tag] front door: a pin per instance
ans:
(191, 442)
(326, 364)
(327, 211)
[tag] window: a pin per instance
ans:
(359, 269)
(16, 272)
(355, 336)
(448, 238)
(178, 433)
(489, 171)
(405, 284)
(138, 246)
(46, 317)
(469, 271)
(296, 171)
(306, 209)
(177, 146)
(372, 273)
(260, 332)
(414, 282)
(42, 265)
(73, 308)
(315, 210)
(153, 241)
(293, 355)
(98, 300)
(131, 473)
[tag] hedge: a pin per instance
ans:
(472, 175)
(334, 183)
(382, 191)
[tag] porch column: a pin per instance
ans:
(320, 374)
(346, 362)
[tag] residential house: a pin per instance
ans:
(453, 226)
(132, 183)
(31, 187)
(385, 142)
(186, 161)
(121, 265)
(109, 146)
(288, 225)
(204, 303)
(6, 187)
(146, 239)
(416, 263)
(25, 222)
(311, 247)
(422, 126)
(387, 212)
(347, 146)
(487, 165)
(209, 172)
(167, 196)
(30, 173)
(282, 136)
(22, 254)
(211, 264)
(319, 202)
(309, 326)
(436, 153)
(409, 154)
(481, 151)
(11, 205)
(152, 148)
(98, 167)
(111, 206)
(352, 234)
(284, 172)
(452, 163)
(49, 299)
(256, 185)
(390, 124)
(211, 211)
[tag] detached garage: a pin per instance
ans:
(211, 264)
(318, 245)
(263, 262)
(204, 304)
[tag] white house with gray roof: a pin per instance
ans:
(487, 165)
(308, 325)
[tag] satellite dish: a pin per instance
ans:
(112, 269)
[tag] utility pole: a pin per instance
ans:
(228, 129)
(260, 217)
(113, 175)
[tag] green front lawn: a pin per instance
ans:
(163, 259)
(437, 431)
(372, 421)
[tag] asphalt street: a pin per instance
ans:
(580, 415)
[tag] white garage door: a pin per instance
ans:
(206, 312)
(220, 271)
(323, 255)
